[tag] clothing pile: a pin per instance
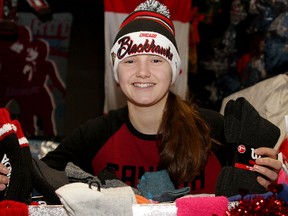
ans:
(81, 193)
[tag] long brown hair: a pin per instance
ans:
(185, 140)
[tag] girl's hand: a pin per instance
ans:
(268, 165)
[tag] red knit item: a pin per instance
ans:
(23, 142)
(202, 206)
(15, 155)
(13, 208)
(6, 126)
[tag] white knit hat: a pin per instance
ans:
(147, 30)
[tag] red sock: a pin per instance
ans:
(10, 156)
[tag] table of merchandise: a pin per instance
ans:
(161, 209)
(40, 147)
(167, 209)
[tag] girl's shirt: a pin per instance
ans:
(111, 141)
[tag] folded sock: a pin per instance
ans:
(202, 206)
(80, 199)
(159, 187)
(76, 174)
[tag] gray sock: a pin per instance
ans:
(76, 174)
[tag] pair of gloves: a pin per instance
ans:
(26, 172)
(245, 130)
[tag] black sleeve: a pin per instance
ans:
(79, 147)
(215, 121)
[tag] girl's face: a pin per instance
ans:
(145, 79)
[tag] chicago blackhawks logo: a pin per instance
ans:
(128, 47)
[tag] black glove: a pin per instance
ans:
(246, 130)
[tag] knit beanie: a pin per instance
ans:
(13, 208)
(26, 163)
(147, 30)
(15, 155)
(244, 130)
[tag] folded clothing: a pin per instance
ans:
(158, 186)
(106, 178)
(76, 174)
(202, 206)
(83, 199)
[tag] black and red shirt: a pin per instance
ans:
(111, 141)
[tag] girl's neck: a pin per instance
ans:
(146, 119)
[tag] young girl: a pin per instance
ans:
(157, 129)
